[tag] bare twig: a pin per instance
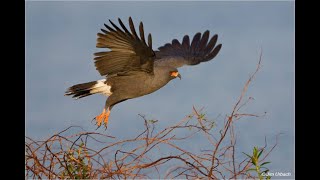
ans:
(65, 156)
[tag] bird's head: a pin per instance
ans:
(174, 74)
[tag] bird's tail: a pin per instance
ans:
(86, 89)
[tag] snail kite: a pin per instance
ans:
(133, 69)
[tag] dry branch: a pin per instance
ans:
(73, 156)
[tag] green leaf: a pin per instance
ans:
(152, 121)
(265, 163)
(254, 161)
(265, 171)
(255, 151)
(251, 169)
(260, 153)
(247, 155)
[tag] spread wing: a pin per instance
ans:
(178, 54)
(128, 51)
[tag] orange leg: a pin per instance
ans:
(104, 116)
(100, 117)
(106, 119)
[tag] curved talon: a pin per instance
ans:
(104, 116)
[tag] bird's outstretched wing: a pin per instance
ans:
(178, 54)
(128, 51)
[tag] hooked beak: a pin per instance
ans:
(179, 76)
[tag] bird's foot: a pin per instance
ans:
(103, 117)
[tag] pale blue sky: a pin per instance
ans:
(60, 42)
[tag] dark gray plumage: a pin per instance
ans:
(177, 55)
(133, 69)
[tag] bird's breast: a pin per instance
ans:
(137, 85)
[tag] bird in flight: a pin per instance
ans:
(133, 69)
